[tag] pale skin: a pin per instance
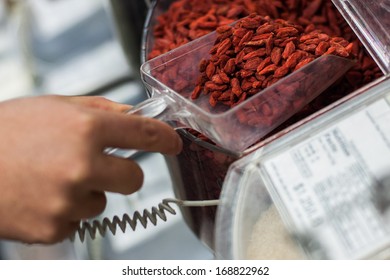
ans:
(53, 172)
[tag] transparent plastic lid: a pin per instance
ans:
(172, 79)
(370, 20)
(312, 194)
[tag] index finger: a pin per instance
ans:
(128, 131)
(97, 102)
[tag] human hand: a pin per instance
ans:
(53, 172)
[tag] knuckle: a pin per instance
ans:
(51, 233)
(79, 171)
(59, 208)
(86, 125)
(150, 132)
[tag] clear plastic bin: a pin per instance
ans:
(310, 193)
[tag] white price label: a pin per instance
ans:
(325, 183)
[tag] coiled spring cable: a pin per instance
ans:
(96, 226)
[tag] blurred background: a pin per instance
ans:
(73, 47)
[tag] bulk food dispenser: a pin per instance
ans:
(314, 192)
(248, 180)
